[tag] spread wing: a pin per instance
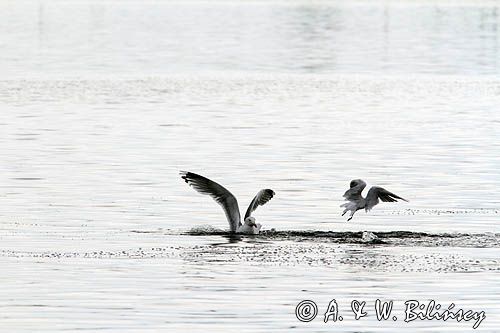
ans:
(354, 193)
(222, 196)
(260, 199)
(382, 194)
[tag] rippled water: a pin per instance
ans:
(102, 103)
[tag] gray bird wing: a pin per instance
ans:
(376, 193)
(222, 196)
(356, 188)
(260, 199)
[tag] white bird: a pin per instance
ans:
(368, 237)
(229, 203)
(357, 202)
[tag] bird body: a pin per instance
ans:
(356, 201)
(229, 203)
(249, 227)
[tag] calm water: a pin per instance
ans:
(103, 102)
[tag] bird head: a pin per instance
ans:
(356, 182)
(355, 188)
(250, 221)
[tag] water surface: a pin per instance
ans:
(104, 102)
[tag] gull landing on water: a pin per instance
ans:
(229, 203)
(357, 202)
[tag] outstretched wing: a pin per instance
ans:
(380, 193)
(260, 199)
(354, 193)
(222, 196)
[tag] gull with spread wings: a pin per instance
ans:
(229, 203)
(357, 202)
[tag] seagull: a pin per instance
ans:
(229, 203)
(357, 202)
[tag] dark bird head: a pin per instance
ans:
(356, 182)
(354, 192)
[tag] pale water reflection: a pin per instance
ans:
(65, 38)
